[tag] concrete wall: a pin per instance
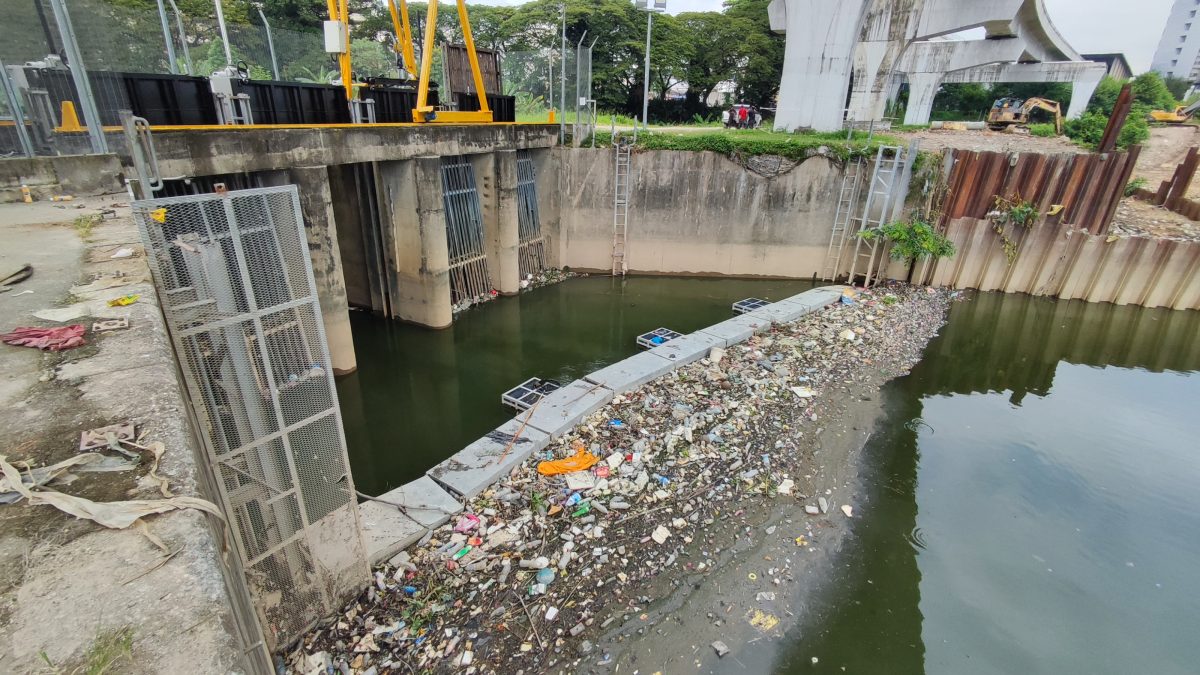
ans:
(1070, 264)
(699, 213)
(76, 175)
(233, 150)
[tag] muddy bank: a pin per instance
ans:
(687, 481)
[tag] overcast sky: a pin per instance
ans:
(1129, 26)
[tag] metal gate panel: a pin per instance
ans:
(464, 230)
(236, 283)
(531, 254)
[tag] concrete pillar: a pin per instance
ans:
(922, 89)
(505, 240)
(818, 58)
(551, 182)
(411, 195)
(499, 217)
(316, 205)
(1082, 89)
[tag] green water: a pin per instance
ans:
(1043, 518)
(421, 395)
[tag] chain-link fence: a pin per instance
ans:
(532, 78)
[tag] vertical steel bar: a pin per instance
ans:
(224, 32)
(562, 79)
(14, 104)
(646, 78)
(167, 39)
(183, 41)
(270, 42)
(87, 100)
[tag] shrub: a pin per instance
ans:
(912, 240)
(1089, 128)
(1043, 130)
(1150, 90)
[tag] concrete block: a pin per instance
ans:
(562, 410)
(691, 347)
(477, 466)
(387, 530)
(631, 373)
(797, 306)
(737, 329)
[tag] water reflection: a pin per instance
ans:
(421, 395)
(1042, 518)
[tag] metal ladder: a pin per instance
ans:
(889, 163)
(624, 150)
(847, 200)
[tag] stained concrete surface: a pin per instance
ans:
(65, 581)
(475, 467)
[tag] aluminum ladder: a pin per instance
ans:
(842, 219)
(624, 150)
(877, 209)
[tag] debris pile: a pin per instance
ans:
(546, 277)
(549, 563)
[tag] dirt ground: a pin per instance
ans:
(936, 140)
(73, 592)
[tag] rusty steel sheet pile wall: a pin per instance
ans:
(1088, 186)
(1068, 255)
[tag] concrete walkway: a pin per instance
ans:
(68, 586)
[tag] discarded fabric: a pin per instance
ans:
(46, 339)
(582, 459)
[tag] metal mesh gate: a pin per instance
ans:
(464, 230)
(531, 254)
(236, 282)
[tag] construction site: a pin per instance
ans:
(423, 364)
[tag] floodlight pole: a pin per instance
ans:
(649, 7)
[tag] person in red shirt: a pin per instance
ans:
(742, 115)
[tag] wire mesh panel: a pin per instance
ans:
(236, 283)
(464, 230)
(531, 254)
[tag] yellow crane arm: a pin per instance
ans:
(424, 112)
(403, 29)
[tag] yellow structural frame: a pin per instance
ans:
(425, 112)
(403, 29)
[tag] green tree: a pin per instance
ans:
(1105, 98)
(757, 73)
(1150, 90)
(1178, 86)
(719, 47)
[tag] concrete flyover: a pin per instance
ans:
(372, 202)
(863, 50)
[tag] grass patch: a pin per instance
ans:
(1134, 185)
(1043, 130)
(752, 142)
(85, 224)
(108, 649)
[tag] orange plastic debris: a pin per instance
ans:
(581, 460)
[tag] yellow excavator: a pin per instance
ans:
(1179, 115)
(1009, 112)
